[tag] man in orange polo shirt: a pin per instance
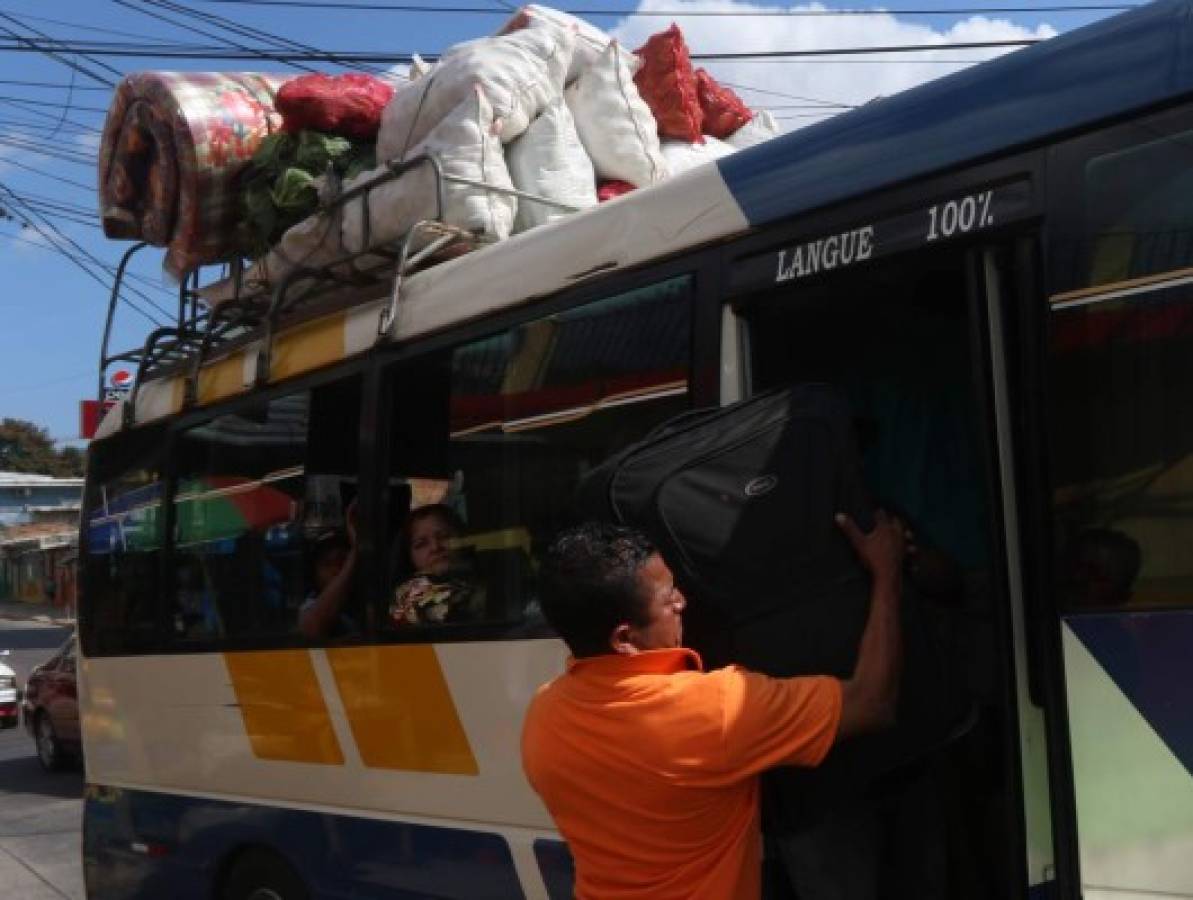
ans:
(647, 763)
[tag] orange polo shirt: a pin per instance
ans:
(648, 766)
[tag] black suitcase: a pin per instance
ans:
(740, 501)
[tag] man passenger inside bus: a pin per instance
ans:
(649, 765)
(331, 565)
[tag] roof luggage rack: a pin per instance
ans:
(199, 332)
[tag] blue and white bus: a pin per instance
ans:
(996, 266)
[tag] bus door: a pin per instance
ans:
(1119, 427)
(906, 339)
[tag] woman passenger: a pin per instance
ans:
(437, 583)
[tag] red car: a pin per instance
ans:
(50, 709)
(8, 695)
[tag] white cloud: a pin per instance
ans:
(88, 140)
(829, 80)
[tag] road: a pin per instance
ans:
(40, 812)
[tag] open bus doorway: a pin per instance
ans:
(899, 341)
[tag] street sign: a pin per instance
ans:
(91, 412)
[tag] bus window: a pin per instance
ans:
(1125, 212)
(122, 536)
(491, 438)
(260, 502)
(1122, 451)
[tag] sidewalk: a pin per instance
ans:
(35, 612)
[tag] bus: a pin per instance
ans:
(997, 269)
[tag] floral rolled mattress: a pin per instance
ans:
(173, 148)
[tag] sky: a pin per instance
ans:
(53, 313)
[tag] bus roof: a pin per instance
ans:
(1120, 65)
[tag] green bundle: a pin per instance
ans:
(280, 189)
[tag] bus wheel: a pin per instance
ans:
(262, 875)
(49, 749)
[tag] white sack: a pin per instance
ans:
(520, 74)
(467, 144)
(590, 41)
(419, 67)
(761, 128)
(615, 125)
(549, 160)
(681, 155)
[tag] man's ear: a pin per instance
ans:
(621, 640)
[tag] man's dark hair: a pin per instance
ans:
(589, 584)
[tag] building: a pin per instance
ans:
(39, 517)
(24, 496)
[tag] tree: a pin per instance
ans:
(24, 447)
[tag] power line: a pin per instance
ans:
(70, 99)
(45, 198)
(85, 216)
(54, 382)
(95, 29)
(76, 217)
(895, 48)
(77, 127)
(23, 101)
(816, 61)
(678, 13)
(98, 48)
(282, 41)
(248, 31)
(52, 84)
(71, 64)
(195, 30)
(79, 251)
(62, 207)
(6, 161)
(67, 156)
(786, 96)
(63, 216)
(21, 202)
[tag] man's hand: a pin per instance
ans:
(868, 697)
(881, 551)
(350, 524)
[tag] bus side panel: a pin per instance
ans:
(139, 845)
(1128, 677)
(191, 727)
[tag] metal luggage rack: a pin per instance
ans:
(200, 332)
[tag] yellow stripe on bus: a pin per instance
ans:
(401, 710)
(223, 378)
(308, 347)
(283, 708)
